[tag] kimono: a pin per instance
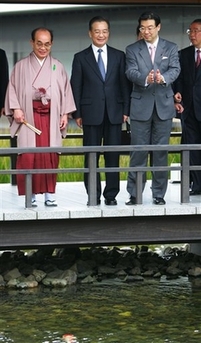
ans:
(44, 94)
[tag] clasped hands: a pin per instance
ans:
(155, 77)
(178, 100)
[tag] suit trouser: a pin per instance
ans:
(110, 134)
(156, 132)
(193, 136)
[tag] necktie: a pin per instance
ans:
(101, 64)
(152, 52)
(198, 60)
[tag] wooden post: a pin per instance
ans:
(13, 159)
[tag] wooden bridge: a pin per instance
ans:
(75, 223)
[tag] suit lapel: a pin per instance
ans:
(110, 61)
(90, 59)
(145, 55)
(197, 71)
(191, 63)
(160, 53)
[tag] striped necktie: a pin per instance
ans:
(101, 64)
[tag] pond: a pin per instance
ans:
(152, 311)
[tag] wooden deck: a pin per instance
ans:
(74, 223)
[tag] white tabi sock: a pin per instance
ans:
(49, 196)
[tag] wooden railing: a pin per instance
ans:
(92, 170)
(13, 144)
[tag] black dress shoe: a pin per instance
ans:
(109, 202)
(159, 201)
(98, 202)
(194, 192)
(131, 201)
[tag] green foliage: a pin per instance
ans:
(4, 162)
(73, 161)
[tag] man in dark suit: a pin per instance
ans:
(3, 79)
(152, 65)
(102, 99)
(188, 86)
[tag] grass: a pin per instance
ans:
(74, 161)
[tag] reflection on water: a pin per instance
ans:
(145, 312)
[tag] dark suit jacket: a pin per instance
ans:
(3, 77)
(189, 83)
(92, 95)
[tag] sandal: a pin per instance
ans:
(51, 203)
(34, 203)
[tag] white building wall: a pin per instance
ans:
(71, 28)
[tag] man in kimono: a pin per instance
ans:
(39, 93)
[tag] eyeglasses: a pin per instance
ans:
(41, 45)
(148, 28)
(195, 31)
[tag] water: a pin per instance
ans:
(146, 312)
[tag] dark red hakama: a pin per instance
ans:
(41, 183)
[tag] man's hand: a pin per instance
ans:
(18, 116)
(177, 97)
(79, 122)
(158, 77)
(150, 77)
(63, 121)
(125, 118)
(179, 107)
(2, 112)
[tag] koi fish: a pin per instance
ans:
(68, 338)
